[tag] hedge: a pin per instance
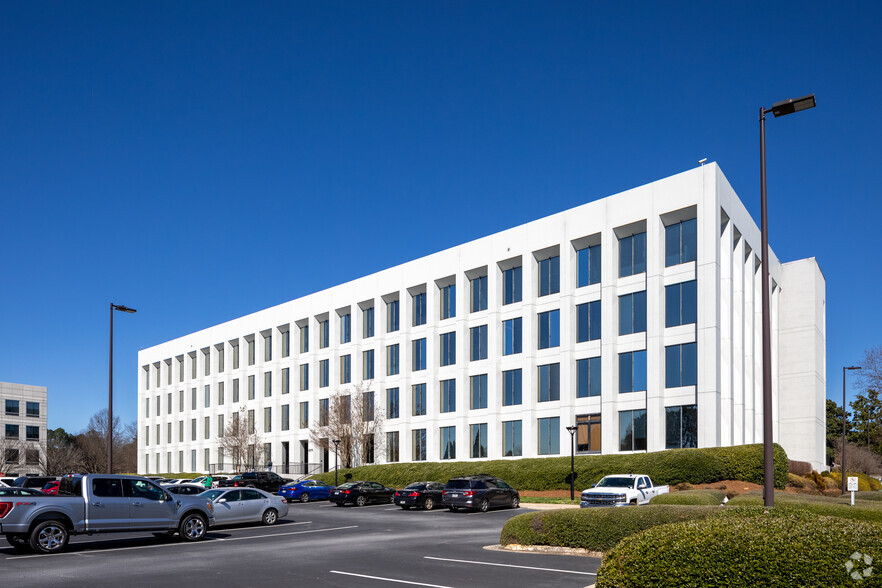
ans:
(863, 510)
(691, 497)
(673, 466)
(595, 529)
(744, 547)
(865, 483)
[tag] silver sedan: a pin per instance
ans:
(246, 505)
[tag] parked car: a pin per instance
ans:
(246, 505)
(425, 495)
(267, 481)
(361, 493)
(16, 491)
(481, 492)
(306, 490)
(621, 490)
(51, 488)
(185, 489)
(33, 481)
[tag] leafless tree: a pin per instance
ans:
(93, 444)
(862, 460)
(62, 455)
(870, 375)
(241, 442)
(355, 421)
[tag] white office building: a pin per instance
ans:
(23, 423)
(636, 317)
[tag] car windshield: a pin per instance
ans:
(616, 483)
(212, 494)
(416, 486)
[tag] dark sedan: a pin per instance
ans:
(361, 493)
(425, 495)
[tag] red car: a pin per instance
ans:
(51, 488)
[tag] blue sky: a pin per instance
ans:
(200, 161)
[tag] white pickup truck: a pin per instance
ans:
(621, 490)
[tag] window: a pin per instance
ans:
(478, 434)
(392, 360)
(168, 433)
(478, 392)
(588, 261)
(681, 304)
(207, 394)
(193, 366)
(478, 343)
(448, 348)
(32, 433)
(32, 456)
(180, 361)
(236, 390)
(549, 329)
(680, 242)
(345, 328)
(345, 369)
(632, 430)
(549, 382)
(588, 433)
(12, 407)
(286, 343)
(193, 398)
(11, 456)
(206, 362)
(392, 316)
(267, 458)
(632, 371)
(267, 384)
(368, 400)
(419, 309)
(511, 438)
(681, 365)
(268, 348)
(511, 283)
(324, 334)
(632, 313)
(549, 436)
(391, 403)
(220, 393)
(251, 388)
(511, 336)
(479, 294)
(588, 377)
(304, 415)
(448, 442)
(207, 428)
(511, 387)
(632, 255)
(392, 454)
(324, 410)
(549, 276)
(324, 373)
(419, 444)
(304, 339)
(252, 422)
(588, 322)
(419, 399)
(220, 361)
(147, 435)
(180, 431)
(304, 377)
(448, 301)
(268, 419)
(367, 364)
(419, 355)
(220, 425)
(448, 395)
(192, 429)
(286, 380)
(235, 349)
(250, 351)
(180, 401)
(367, 324)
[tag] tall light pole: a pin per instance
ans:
(778, 109)
(572, 429)
(120, 308)
(844, 425)
(336, 460)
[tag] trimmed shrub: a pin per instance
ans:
(744, 548)
(673, 466)
(800, 468)
(691, 497)
(863, 510)
(596, 529)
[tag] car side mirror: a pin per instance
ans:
(221, 500)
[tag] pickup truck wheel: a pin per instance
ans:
(270, 516)
(192, 527)
(18, 542)
(304, 498)
(49, 537)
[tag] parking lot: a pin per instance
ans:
(319, 543)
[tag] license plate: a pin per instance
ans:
(454, 494)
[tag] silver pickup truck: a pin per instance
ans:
(97, 503)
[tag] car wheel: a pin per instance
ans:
(429, 504)
(18, 542)
(515, 501)
(49, 537)
(484, 505)
(270, 516)
(304, 498)
(360, 501)
(193, 527)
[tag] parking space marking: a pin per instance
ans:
(502, 565)
(389, 579)
(291, 533)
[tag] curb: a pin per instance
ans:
(545, 549)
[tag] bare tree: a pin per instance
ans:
(62, 455)
(354, 420)
(11, 454)
(859, 459)
(241, 442)
(870, 375)
(93, 443)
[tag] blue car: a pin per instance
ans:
(306, 490)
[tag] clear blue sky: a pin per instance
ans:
(199, 161)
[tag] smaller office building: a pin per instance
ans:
(23, 421)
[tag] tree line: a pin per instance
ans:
(87, 451)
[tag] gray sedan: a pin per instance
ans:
(246, 505)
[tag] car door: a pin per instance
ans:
(151, 507)
(228, 508)
(253, 505)
(108, 507)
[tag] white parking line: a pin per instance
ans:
(488, 563)
(389, 579)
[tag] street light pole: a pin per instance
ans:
(844, 426)
(778, 109)
(572, 429)
(336, 460)
(120, 308)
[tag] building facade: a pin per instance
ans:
(24, 429)
(636, 318)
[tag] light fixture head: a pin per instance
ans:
(792, 105)
(122, 308)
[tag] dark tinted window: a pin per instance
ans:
(502, 484)
(144, 489)
(416, 487)
(107, 487)
(479, 485)
(251, 495)
(458, 484)
(234, 496)
(349, 485)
